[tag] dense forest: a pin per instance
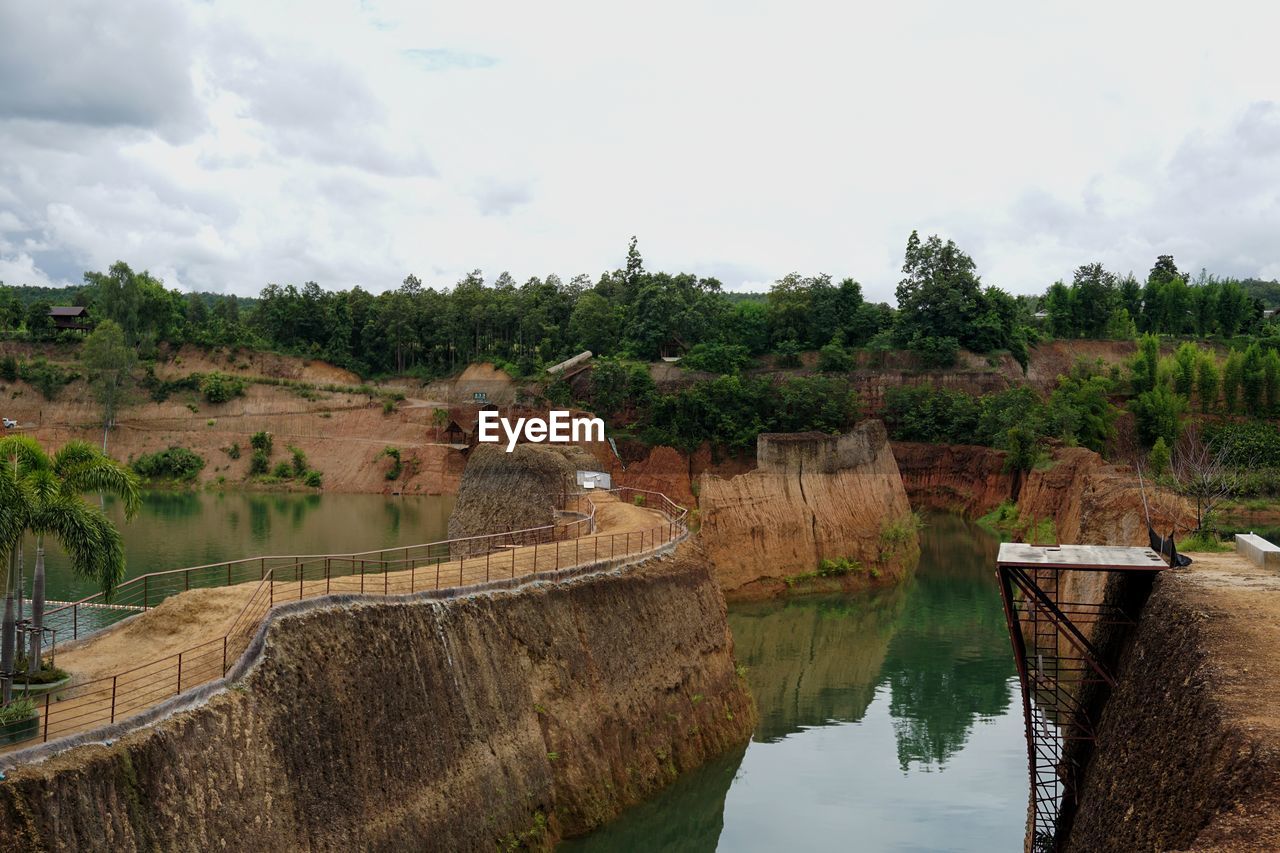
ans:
(1208, 349)
(942, 306)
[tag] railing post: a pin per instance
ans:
(386, 579)
(113, 697)
(46, 715)
(179, 673)
(328, 574)
(224, 654)
(75, 621)
(437, 573)
(461, 557)
(413, 573)
(535, 559)
(557, 566)
(145, 581)
(486, 565)
(228, 574)
(298, 566)
(186, 580)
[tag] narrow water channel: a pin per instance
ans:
(175, 529)
(887, 722)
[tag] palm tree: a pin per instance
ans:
(44, 497)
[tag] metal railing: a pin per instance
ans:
(399, 571)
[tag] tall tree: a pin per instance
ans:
(109, 361)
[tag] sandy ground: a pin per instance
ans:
(1245, 601)
(183, 642)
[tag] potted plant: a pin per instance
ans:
(18, 721)
(48, 679)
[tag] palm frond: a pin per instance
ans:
(24, 452)
(100, 473)
(93, 545)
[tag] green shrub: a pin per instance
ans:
(282, 471)
(388, 406)
(46, 378)
(9, 369)
(48, 674)
(259, 463)
(175, 463)
(788, 354)
(936, 351)
(716, 358)
(314, 479)
(1252, 443)
(837, 567)
(261, 441)
(234, 451)
(299, 461)
(219, 387)
(834, 358)
(193, 408)
(638, 500)
(392, 453)
(19, 710)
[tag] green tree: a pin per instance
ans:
(1232, 379)
(45, 498)
(1159, 457)
(1253, 379)
(940, 294)
(1146, 364)
(1184, 368)
(834, 358)
(1158, 414)
(109, 363)
(1271, 380)
(39, 323)
(1208, 380)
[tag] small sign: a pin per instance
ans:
(480, 397)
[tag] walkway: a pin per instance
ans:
(195, 636)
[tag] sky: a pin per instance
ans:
(224, 145)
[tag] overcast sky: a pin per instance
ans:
(225, 145)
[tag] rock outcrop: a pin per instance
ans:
(487, 721)
(812, 497)
(503, 491)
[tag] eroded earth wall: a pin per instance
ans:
(474, 723)
(1188, 748)
(813, 497)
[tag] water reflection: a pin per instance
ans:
(176, 529)
(887, 722)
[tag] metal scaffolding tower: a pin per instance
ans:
(1064, 651)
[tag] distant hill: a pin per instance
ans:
(79, 294)
(1267, 291)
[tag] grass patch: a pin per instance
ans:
(1006, 522)
(1203, 541)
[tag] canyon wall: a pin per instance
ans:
(1089, 500)
(812, 497)
(1188, 747)
(487, 720)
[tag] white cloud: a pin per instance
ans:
(228, 145)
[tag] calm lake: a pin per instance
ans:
(887, 722)
(177, 529)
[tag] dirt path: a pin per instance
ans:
(180, 643)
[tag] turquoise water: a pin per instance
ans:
(177, 529)
(887, 722)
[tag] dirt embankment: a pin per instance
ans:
(487, 721)
(341, 430)
(1188, 750)
(813, 497)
